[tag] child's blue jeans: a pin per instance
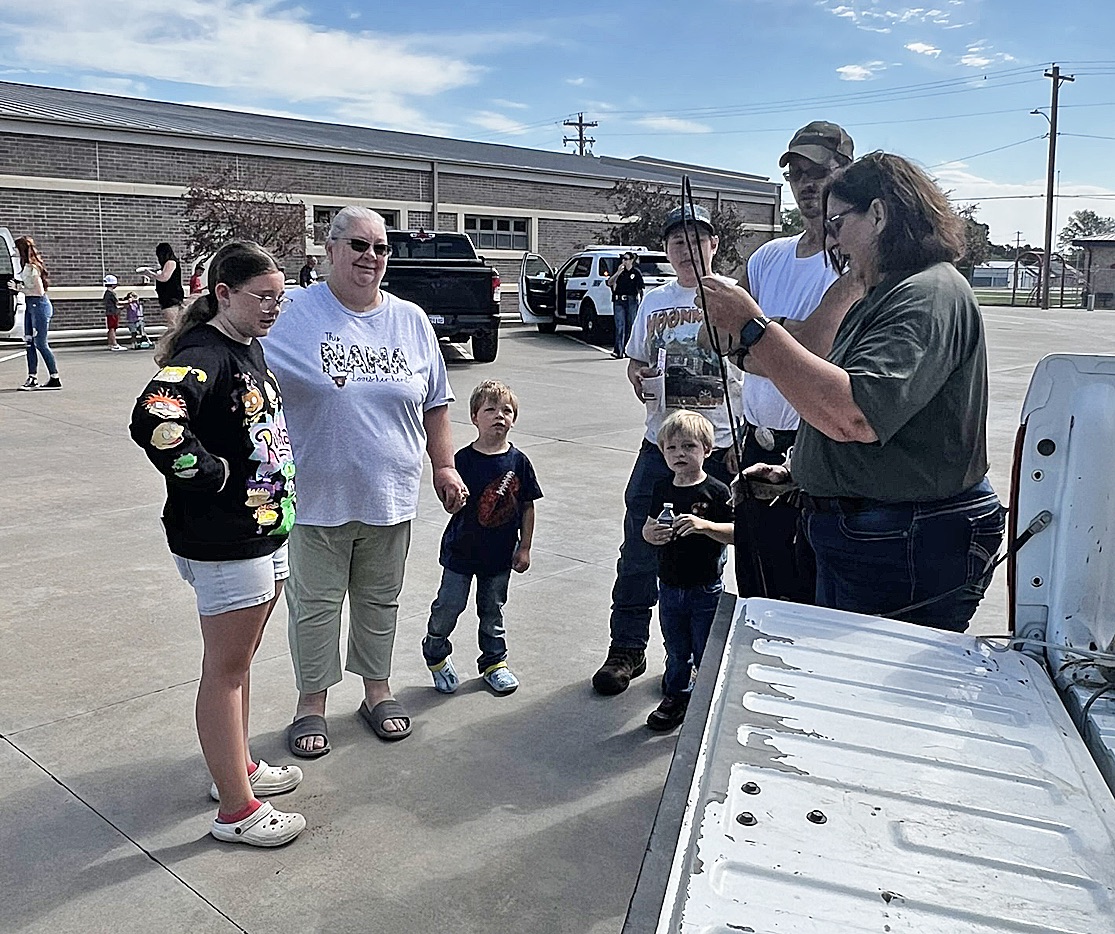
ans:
(452, 598)
(686, 615)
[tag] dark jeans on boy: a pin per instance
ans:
(686, 615)
(635, 591)
(879, 558)
(452, 598)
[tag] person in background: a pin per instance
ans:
(891, 454)
(627, 291)
(211, 421)
(307, 275)
(168, 282)
(33, 281)
(691, 555)
(488, 539)
(112, 312)
(197, 282)
(134, 313)
(367, 397)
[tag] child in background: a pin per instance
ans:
(487, 539)
(691, 555)
(140, 340)
(112, 312)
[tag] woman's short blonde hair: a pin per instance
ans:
(686, 424)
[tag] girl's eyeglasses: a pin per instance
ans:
(268, 302)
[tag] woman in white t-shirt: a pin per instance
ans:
(366, 396)
(33, 281)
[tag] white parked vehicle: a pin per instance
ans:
(847, 773)
(11, 302)
(578, 292)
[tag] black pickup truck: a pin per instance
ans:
(441, 272)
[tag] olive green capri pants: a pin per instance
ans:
(366, 562)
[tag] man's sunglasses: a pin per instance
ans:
(814, 173)
(362, 246)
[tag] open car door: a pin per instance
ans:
(537, 293)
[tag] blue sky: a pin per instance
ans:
(950, 83)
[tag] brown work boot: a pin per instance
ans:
(616, 673)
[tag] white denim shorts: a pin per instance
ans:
(224, 586)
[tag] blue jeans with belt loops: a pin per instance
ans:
(880, 558)
(36, 323)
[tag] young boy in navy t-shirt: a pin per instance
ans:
(691, 555)
(487, 539)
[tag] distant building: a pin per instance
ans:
(98, 181)
(1099, 271)
(997, 274)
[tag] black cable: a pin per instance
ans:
(698, 263)
(1106, 689)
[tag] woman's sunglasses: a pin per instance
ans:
(362, 246)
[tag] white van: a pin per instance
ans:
(11, 302)
(578, 293)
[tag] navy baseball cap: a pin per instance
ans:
(685, 215)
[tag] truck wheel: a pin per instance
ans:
(484, 346)
(547, 327)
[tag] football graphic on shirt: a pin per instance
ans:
(499, 503)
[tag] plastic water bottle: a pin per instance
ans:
(666, 516)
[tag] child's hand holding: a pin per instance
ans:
(655, 533)
(687, 524)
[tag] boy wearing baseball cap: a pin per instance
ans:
(112, 312)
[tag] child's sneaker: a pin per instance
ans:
(669, 714)
(28, 384)
(445, 676)
(500, 679)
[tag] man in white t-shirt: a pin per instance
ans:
(789, 277)
(668, 320)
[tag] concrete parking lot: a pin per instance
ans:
(521, 813)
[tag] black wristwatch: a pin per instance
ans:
(751, 333)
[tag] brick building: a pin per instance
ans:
(98, 181)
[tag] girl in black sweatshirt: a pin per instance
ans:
(212, 422)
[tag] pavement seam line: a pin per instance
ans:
(139, 846)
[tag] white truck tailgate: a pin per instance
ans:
(859, 774)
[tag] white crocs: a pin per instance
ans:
(268, 780)
(263, 827)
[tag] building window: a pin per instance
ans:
(498, 233)
(324, 214)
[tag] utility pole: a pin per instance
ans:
(1055, 74)
(1017, 251)
(584, 143)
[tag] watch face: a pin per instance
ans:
(752, 331)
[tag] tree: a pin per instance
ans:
(792, 223)
(1084, 224)
(977, 244)
(643, 207)
(219, 208)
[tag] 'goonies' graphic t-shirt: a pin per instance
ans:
(356, 387)
(669, 319)
(481, 539)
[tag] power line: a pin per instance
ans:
(987, 152)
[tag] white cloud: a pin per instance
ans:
(871, 16)
(576, 82)
(1005, 213)
(256, 54)
(673, 125)
(863, 72)
(923, 48)
(497, 123)
(981, 55)
(509, 105)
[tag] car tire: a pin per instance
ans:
(547, 327)
(594, 329)
(484, 346)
